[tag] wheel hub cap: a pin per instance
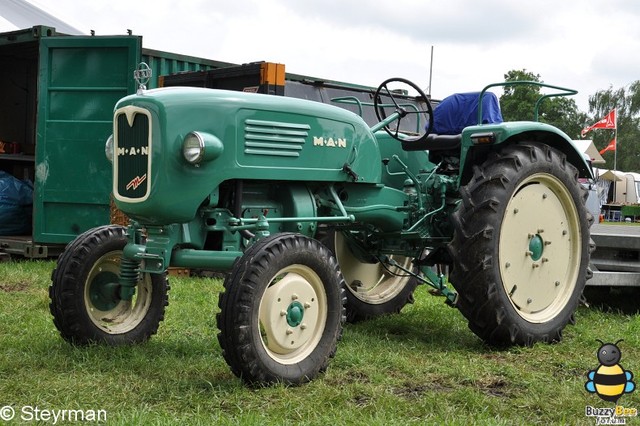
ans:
(295, 314)
(535, 247)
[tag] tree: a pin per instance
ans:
(518, 103)
(626, 101)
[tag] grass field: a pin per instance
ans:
(422, 366)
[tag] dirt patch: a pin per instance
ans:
(350, 377)
(14, 287)
(567, 371)
(361, 400)
(494, 387)
(498, 356)
(416, 390)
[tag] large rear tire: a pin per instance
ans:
(521, 246)
(84, 297)
(282, 311)
(372, 289)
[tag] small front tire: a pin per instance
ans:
(282, 311)
(84, 297)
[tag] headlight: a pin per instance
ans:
(193, 148)
(199, 146)
(108, 148)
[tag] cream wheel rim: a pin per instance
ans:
(370, 282)
(292, 314)
(540, 248)
(121, 316)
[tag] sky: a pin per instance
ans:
(587, 45)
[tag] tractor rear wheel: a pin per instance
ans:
(372, 289)
(282, 311)
(85, 301)
(521, 246)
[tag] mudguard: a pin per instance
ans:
(515, 131)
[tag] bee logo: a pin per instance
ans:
(609, 381)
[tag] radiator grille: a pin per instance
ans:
(274, 138)
(132, 155)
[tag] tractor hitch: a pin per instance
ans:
(428, 277)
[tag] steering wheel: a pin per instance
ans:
(404, 106)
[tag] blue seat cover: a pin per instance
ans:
(460, 110)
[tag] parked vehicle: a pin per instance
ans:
(317, 217)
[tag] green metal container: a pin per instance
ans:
(56, 111)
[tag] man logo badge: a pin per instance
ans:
(136, 182)
(142, 75)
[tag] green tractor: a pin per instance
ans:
(318, 218)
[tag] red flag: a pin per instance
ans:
(610, 147)
(608, 122)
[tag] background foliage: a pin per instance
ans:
(517, 103)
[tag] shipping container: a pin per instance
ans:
(56, 109)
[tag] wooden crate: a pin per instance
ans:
(178, 272)
(116, 217)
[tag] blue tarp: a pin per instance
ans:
(16, 205)
(460, 110)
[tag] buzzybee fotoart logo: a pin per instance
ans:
(610, 381)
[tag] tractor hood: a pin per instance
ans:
(160, 178)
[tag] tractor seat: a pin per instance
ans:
(452, 115)
(434, 142)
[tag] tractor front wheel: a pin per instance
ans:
(521, 246)
(282, 311)
(85, 301)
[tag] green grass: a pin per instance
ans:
(420, 367)
(622, 223)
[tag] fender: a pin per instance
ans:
(516, 131)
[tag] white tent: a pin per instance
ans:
(586, 146)
(20, 14)
(627, 185)
(610, 175)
